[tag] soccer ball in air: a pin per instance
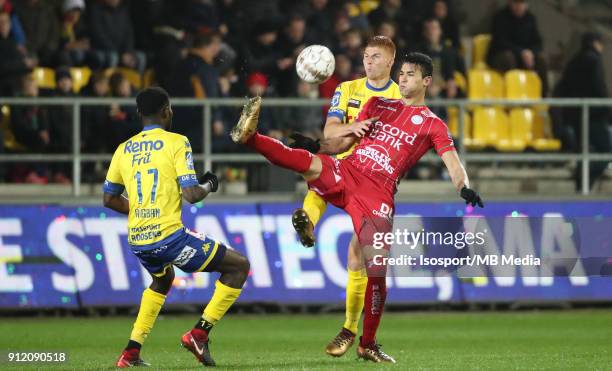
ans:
(315, 64)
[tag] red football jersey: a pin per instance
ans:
(397, 140)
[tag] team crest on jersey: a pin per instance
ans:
(354, 103)
(336, 99)
(416, 119)
(189, 160)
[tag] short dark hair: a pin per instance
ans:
(204, 38)
(150, 101)
(422, 60)
(588, 38)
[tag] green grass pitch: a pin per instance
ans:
(551, 340)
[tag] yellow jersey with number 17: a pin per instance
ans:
(351, 96)
(152, 166)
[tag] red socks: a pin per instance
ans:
(279, 154)
(375, 296)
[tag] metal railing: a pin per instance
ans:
(208, 158)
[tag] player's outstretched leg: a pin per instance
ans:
(375, 297)
(153, 299)
(245, 132)
(234, 271)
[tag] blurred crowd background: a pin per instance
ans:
(236, 48)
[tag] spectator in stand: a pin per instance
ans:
(291, 42)
(124, 120)
(389, 29)
(96, 119)
(30, 125)
(197, 76)
(6, 6)
(446, 61)
(584, 77)
(269, 117)
(320, 22)
(342, 24)
(74, 41)
(261, 53)
(306, 120)
(450, 25)
(516, 41)
(392, 10)
(13, 64)
(352, 47)
(41, 27)
(145, 16)
(112, 35)
(60, 125)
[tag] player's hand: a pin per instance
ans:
(471, 197)
(211, 178)
(360, 128)
(303, 142)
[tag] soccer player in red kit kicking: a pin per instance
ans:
(395, 134)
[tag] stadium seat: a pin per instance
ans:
(492, 129)
(460, 81)
(523, 84)
(10, 143)
(131, 75)
(149, 78)
(80, 77)
(480, 47)
(45, 77)
(485, 84)
(529, 125)
(453, 122)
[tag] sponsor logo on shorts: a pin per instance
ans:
(185, 256)
(379, 155)
(206, 247)
(385, 211)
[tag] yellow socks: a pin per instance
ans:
(355, 295)
(150, 306)
(314, 206)
(222, 299)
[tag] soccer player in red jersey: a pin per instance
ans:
(395, 134)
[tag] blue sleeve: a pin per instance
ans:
(112, 188)
(188, 180)
(336, 113)
(17, 30)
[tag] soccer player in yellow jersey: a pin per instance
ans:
(348, 99)
(155, 167)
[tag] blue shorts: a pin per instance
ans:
(189, 251)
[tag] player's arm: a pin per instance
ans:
(444, 145)
(119, 203)
(336, 115)
(113, 186)
(194, 189)
(332, 146)
(206, 184)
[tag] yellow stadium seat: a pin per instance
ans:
(453, 122)
(45, 77)
(149, 78)
(480, 47)
(80, 77)
(528, 125)
(460, 81)
(542, 132)
(523, 84)
(131, 75)
(10, 143)
(485, 84)
(492, 129)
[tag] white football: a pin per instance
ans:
(315, 64)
